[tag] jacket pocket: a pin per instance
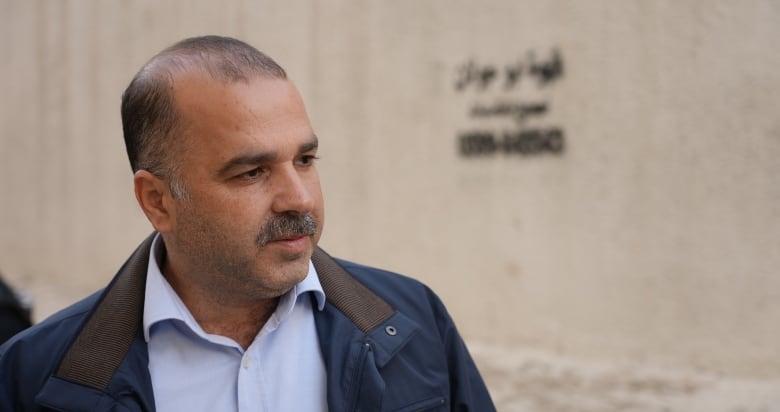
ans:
(433, 404)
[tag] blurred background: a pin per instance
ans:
(591, 187)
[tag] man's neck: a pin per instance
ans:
(240, 323)
(222, 315)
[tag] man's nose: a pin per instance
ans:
(293, 194)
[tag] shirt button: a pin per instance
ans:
(245, 362)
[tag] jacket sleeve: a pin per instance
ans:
(5, 385)
(28, 359)
(468, 391)
(17, 382)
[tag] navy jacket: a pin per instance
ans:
(387, 341)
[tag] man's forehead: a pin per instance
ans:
(200, 92)
(213, 108)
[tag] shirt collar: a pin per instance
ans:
(162, 303)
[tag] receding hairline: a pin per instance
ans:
(224, 65)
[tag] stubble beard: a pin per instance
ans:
(233, 278)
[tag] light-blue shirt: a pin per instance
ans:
(191, 370)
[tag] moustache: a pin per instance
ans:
(286, 226)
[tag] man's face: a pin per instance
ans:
(255, 208)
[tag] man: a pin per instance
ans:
(230, 305)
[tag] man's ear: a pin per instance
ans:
(155, 199)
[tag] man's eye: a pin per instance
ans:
(307, 160)
(252, 174)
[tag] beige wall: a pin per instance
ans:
(654, 235)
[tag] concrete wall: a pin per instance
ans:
(631, 212)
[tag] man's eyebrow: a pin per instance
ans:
(312, 144)
(246, 160)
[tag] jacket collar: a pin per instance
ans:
(96, 369)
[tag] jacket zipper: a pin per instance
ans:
(358, 374)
